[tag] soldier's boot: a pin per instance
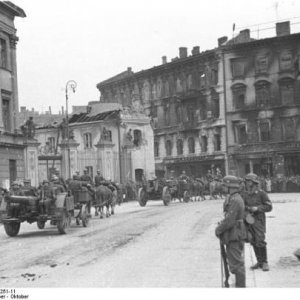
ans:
(240, 280)
(258, 255)
(265, 265)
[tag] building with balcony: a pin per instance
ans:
(263, 103)
(184, 99)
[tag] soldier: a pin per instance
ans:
(86, 177)
(218, 175)
(183, 176)
(16, 189)
(47, 196)
(76, 176)
(231, 230)
(257, 203)
(99, 179)
(209, 176)
(28, 189)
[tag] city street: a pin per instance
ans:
(152, 246)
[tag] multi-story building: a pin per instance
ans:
(12, 148)
(263, 103)
(184, 98)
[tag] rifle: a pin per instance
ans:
(224, 264)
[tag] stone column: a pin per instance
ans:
(105, 156)
(127, 161)
(31, 161)
(251, 165)
(68, 149)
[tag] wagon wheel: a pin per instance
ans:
(166, 196)
(63, 224)
(142, 197)
(85, 217)
(12, 228)
(186, 196)
(40, 224)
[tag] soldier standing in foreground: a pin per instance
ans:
(231, 230)
(257, 203)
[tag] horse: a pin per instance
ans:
(215, 189)
(198, 189)
(103, 197)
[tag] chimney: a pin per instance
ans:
(129, 70)
(23, 109)
(283, 28)
(164, 60)
(244, 36)
(183, 52)
(50, 112)
(222, 40)
(196, 50)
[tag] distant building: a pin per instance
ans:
(263, 103)
(12, 147)
(184, 98)
(104, 137)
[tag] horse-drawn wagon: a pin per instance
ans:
(154, 189)
(15, 209)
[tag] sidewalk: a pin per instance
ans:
(283, 232)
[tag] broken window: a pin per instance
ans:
(168, 148)
(238, 68)
(263, 96)
(287, 92)
(156, 149)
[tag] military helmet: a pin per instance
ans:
(231, 181)
(252, 177)
(15, 183)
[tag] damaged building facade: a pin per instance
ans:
(184, 99)
(13, 146)
(263, 103)
(105, 137)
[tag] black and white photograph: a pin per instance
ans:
(148, 145)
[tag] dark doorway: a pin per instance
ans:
(139, 175)
(12, 170)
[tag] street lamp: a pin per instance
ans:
(71, 84)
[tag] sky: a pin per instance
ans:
(92, 40)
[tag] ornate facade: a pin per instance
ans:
(263, 103)
(184, 99)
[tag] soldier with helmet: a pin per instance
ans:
(231, 230)
(28, 189)
(257, 202)
(99, 179)
(16, 189)
(86, 177)
(47, 196)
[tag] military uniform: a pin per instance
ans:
(262, 204)
(47, 197)
(232, 233)
(99, 180)
(86, 177)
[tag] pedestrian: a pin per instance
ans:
(257, 202)
(231, 230)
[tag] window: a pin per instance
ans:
(203, 110)
(216, 107)
(264, 131)
(239, 93)
(286, 61)
(179, 114)
(261, 65)
(287, 92)
(190, 113)
(191, 145)
(237, 68)
(204, 143)
(262, 90)
(156, 149)
(214, 76)
(137, 138)
(3, 53)
(241, 134)
(87, 140)
(179, 145)
(289, 129)
(6, 114)
(167, 115)
(168, 148)
(51, 141)
(217, 142)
